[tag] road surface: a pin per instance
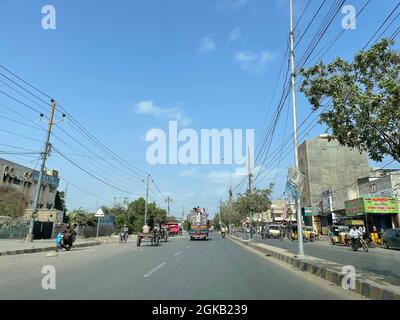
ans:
(178, 270)
(379, 261)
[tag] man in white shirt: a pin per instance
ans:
(354, 234)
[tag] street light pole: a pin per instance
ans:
(295, 138)
(44, 155)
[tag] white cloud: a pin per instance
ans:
(254, 62)
(232, 4)
(148, 107)
(193, 172)
(235, 34)
(207, 44)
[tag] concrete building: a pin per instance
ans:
(383, 183)
(25, 180)
(327, 165)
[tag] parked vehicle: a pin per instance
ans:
(391, 238)
(340, 235)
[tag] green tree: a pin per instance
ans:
(365, 95)
(59, 202)
(133, 216)
(82, 218)
(12, 202)
(259, 200)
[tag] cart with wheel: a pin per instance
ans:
(152, 237)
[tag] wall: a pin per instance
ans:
(13, 228)
(327, 165)
(25, 180)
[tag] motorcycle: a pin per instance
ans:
(62, 243)
(223, 234)
(359, 243)
(123, 237)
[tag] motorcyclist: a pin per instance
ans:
(125, 232)
(74, 233)
(68, 235)
(354, 235)
(223, 231)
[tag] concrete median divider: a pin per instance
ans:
(366, 285)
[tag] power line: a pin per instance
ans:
(92, 175)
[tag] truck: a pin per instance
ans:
(173, 228)
(199, 224)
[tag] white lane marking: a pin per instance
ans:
(178, 253)
(148, 274)
(188, 247)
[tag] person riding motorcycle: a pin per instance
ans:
(355, 235)
(124, 233)
(223, 231)
(69, 234)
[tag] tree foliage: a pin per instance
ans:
(82, 218)
(134, 215)
(259, 200)
(365, 94)
(12, 202)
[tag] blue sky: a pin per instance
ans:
(208, 64)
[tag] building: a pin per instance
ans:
(375, 199)
(328, 168)
(279, 212)
(25, 180)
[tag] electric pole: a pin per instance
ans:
(168, 200)
(250, 176)
(295, 138)
(147, 198)
(44, 155)
(65, 199)
(220, 213)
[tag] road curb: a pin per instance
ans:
(327, 270)
(44, 249)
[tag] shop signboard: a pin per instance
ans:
(310, 211)
(380, 205)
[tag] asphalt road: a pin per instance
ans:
(178, 269)
(379, 261)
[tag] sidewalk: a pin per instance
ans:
(368, 284)
(18, 246)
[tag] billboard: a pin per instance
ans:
(377, 205)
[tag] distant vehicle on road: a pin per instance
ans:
(173, 228)
(271, 231)
(391, 238)
(199, 225)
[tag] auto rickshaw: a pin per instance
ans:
(309, 233)
(293, 232)
(340, 235)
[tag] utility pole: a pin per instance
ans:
(44, 155)
(65, 198)
(295, 138)
(168, 200)
(250, 190)
(230, 206)
(220, 213)
(147, 198)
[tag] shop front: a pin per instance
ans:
(378, 213)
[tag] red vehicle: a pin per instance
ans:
(173, 228)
